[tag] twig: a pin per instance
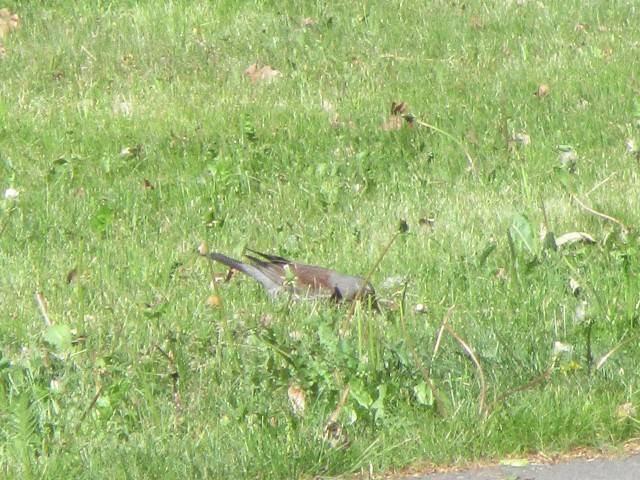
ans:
(450, 137)
(474, 359)
(544, 214)
(175, 376)
(612, 351)
(436, 346)
(599, 214)
(423, 371)
(403, 228)
(89, 408)
(341, 402)
(43, 308)
(521, 388)
(599, 184)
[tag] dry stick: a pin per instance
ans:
(521, 388)
(423, 371)
(544, 214)
(452, 138)
(436, 347)
(174, 376)
(352, 308)
(599, 184)
(91, 405)
(474, 359)
(43, 308)
(612, 351)
(599, 214)
(336, 412)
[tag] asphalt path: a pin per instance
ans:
(621, 468)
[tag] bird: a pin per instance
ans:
(280, 275)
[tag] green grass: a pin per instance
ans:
(141, 378)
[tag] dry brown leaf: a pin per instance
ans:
(573, 237)
(394, 123)
(336, 436)
(471, 137)
(477, 22)
(398, 108)
(8, 21)
(542, 91)
(626, 410)
(297, 399)
(213, 301)
(72, 277)
(427, 222)
(266, 73)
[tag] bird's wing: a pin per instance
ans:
(270, 258)
(263, 276)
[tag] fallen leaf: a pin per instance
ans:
(266, 73)
(394, 123)
(147, 185)
(213, 301)
(398, 108)
(522, 139)
(574, 286)
(500, 273)
(542, 91)
(72, 277)
(427, 222)
(626, 410)
(297, 399)
(574, 237)
(336, 436)
(477, 22)
(472, 138)
(8, 21)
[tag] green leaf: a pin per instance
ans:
(378, 405)
(486, 252)
(358, 391)
(423, 393)
(59, 336)
(563, 175)
(102, 219)
(549, 242)
(522, 234)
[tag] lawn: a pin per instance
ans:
(503, 134)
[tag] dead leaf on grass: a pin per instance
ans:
(394, 123)
(398, 108)
(72, 277)
(542, 91)
(297, 399)
(477, 22)
(399, 117)
(471, 137)
(8, 21)
(213, 301)
(266, 73)
(574, 237)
